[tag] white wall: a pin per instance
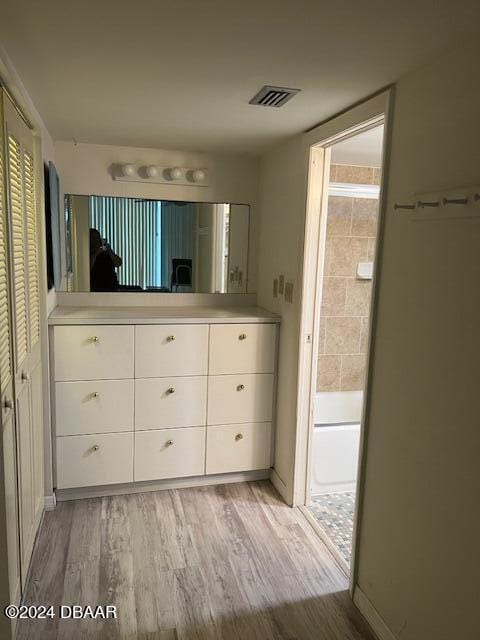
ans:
(418, 535)
(420, 529)
(86, 169)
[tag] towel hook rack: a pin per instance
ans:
(404, 206)
(447, 201)
(426, 203)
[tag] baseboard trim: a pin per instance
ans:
(371, 615)
(63, 495)
(50, 502)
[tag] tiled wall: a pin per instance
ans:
(351, 229)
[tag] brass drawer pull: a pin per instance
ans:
(95, 447)
(95, 394)
(171, 339)
(95, 339)
(240, 387)
(239, 436)
(25, 377)
(171, 390)
(169, 443)
(8, 404)
(242, 336)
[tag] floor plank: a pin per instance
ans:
(208, 563)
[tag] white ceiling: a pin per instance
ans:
(362, 150)
(180, 74)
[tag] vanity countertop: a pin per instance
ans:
(160, 315)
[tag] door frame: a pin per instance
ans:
(367, 115)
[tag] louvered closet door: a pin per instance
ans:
(7, 396)
(25, 287)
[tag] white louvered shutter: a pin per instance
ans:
(5, 346)
(18, 247)
(32, 250)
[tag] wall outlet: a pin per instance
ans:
(275, 288)
(289, 292)
(281, 285)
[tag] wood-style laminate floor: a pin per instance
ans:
(229, 562)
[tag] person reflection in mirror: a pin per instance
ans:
(103, 262)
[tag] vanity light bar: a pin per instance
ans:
(184, 176)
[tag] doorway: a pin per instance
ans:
(347, 245)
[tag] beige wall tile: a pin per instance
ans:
(372, 244)
(342, 335)
(358, 295)
(333, 296)
(321, 335)
(333, 172)
(354, 175)
(364, 217)
(343, 255)
(339, 216)
(328, 373)
(364, 335)
(353, 373)
(377, 176)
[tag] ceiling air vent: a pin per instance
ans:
(273, 96)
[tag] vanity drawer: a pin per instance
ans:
(238, 447)
(84, 461)
(170, 402)
(169, 453)
(242, 348)
(99, 406)
(240, 398)
(171, 350)
(93, 352)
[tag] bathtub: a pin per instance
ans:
(336, 437)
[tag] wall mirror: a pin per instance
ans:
(137, 244)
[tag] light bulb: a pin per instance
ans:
(128, 170)
(152, 171)
(176, 173)
(199, 175)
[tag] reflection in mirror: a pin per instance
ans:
(135, 244)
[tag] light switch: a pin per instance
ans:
(275, 288)
(281, 285)
(289, 292)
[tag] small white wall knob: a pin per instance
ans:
(199, 175)
(128, 170)
(176, 173)
(152, 171)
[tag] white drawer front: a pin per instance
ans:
(171, 350)
(240, 398)
(169, 453)
(93, 352)
(161, 403)
(99, 406)
(84, 461)
(242, 348)
(238, 447)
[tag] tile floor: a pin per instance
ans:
(335, 512)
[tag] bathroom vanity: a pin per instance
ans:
(154, 397)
